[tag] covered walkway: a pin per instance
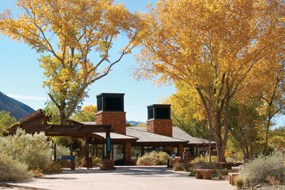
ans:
(38, 122)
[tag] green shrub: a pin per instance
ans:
(153, 158)
(219, 173)
(192, 172)
(79, 162)
(163, 158)
(182, 166)
(53, 168)
(177, 166)
(202, 162)
(239, 182)
(36, 172)
(12, 170)
(96, 161)
(205, 159)
(33, 150)
(261, 168)
(203, 165)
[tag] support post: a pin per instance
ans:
(209, 135)
(108, 144)
(72, 161)
(87, 152)
(180, 150)
(107, 163)
(54, 152)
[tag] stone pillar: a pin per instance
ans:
(160, 126)
(116, 119)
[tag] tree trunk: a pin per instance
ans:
(220, 151)
(63, 119)
(265, 145)
(219, 137)
(220, 145)
(214, 119)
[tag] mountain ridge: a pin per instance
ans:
(14, 107)
(135, 123)
(20, 110)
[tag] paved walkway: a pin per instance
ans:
(125, 178)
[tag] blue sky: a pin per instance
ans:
(22, 78)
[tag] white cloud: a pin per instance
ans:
(23, 97)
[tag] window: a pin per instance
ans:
(162, 113)
(147, 149)
(159, 149)
(98, 150)
(158, 111)
(118, 154)
(99, 103)
(135, 153)
(113, 104)
(110, 102)
(150, 113)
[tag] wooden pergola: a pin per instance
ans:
(87, 132)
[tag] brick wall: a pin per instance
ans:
(180, 150)
(127, 153)
(116, 119)
(160, 126)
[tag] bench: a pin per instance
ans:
(204, 173)
(232, 177)
(72, 161)
(107, 165)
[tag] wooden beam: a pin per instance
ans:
(66, 130)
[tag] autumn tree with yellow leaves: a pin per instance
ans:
(75, 38)
(213, 47)
(271, 95)
(87, 114)
(186, 113)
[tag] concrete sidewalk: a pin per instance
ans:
(125, 178)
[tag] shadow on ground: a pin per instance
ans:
(18, 187)
(130, 170)
(63, 178)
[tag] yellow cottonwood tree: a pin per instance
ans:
(87, 113)
(75, 38)
(186, 112)
(6, 121)
(271, 94)
(213, 47)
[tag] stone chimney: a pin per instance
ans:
(110, 111)
(159, 121)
